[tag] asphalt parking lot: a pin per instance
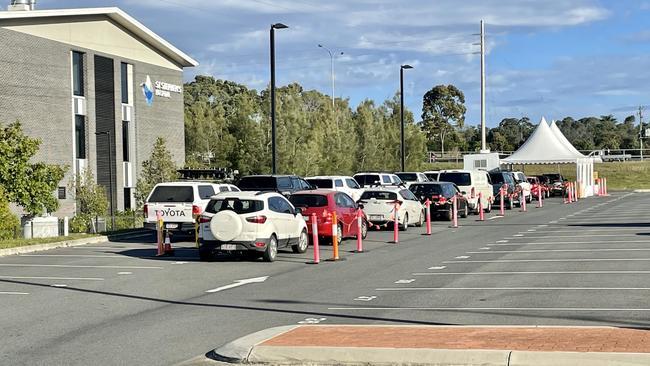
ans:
(115, 303)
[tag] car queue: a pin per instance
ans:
(264, 213)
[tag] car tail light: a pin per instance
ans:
(204, 219)
(260, 244)
(196, 210)
(145, 210)
(442, 200)
(326, 218)
(256, 219)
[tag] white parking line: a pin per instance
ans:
(73, 266)
(574, 242)
(494, 309)
(462, 257)
(494, 217)
(76, 255)
(565, 250)
(553, 260)
(512, 288)
(438, 267)
(579, 235)
(51, 278)
(13, 293)
(584, 230)
(509, 273)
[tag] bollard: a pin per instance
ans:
(335, 237)
(314, 238)
(359, 231)
(523, 201)
(481, 214)
(502, 206)
(575, 191)
(427, 205)
(600, 187)
(196, 232)
(159, 233)
(396, 224)
(540, 202)
(605, 186)
(454, 205)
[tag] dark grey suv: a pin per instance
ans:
(284, 184)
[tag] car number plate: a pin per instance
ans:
(376, 217)
(171, 226)
(228, 247)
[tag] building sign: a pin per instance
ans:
(159, 89)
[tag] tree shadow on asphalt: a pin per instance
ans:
(613, 224)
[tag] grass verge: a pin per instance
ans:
(26, 242)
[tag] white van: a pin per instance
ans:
(472, 182)
(339, 183)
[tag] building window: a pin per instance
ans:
(125, 140)
(124, 71)
(127, 199)
(80, 136)
(61, 193)
(78, 73)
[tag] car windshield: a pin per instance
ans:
(554, 177)
(408, 177)
(532, 180)
(172, 194)
(308, 200)
(320, 183)
(234, 204)
(432, 176)
(497, 178)
(426, 190)
(257, 183)
(379, 195)
(367, 179)
(461, 179)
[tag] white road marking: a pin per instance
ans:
(511, 288)
(542, 225)
(73, 266)
(124, 273)
(574, 242)
(462, 257)
(438, 267)
(76, 255)
(58, 285)
(552, 260)
(494, 309)
(494, 217)
(587, 230)
(502, 241)
(365, 298)
(52, 278)
(526, 273)
(180, 262)
(238, 283)
(13, 293)
(583, 236)
(518, 235)
(312, 320)
(552, 222)
(405, 281)
(485, 248)
(530, 230)
(566, 250)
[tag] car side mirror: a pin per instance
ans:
(297, 211)
(463, 193)
(360, 205)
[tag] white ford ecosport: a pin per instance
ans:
(256, 223)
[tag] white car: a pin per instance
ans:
(522, 182)
(373, 179)
(337, 183)
(256, 223)
(379, 207)
(412, 177)
(432, 175)
(178, 203)
(471, 183)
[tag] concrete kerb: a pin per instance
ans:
(48, 246)
(239, 350)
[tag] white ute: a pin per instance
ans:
(254, 223)
(179, 203)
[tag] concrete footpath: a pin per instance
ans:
(437, 345)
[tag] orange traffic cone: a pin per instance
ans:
(168, 245)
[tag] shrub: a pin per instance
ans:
(9, 223)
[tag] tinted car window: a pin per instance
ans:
(367, 179)
(496, 178)
(426, 190)
(349, 202)
(280, 205)
(352, 183)
(258, 183)
(172, 194)
(338, 183)
(385, 179)
(342, 200)
(320, 183)
(408, 177)
(379, 195)
(284, 183)
(234, 204)
(408, 195)
(461, 179)
(206, 192)
(223, 189)
(308, 200)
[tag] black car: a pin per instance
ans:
(498, 179)
(556, 184)
(284, 184)
(440, 195)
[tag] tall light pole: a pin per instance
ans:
(401, 112)
(272, 40)
(110, 175)
(331, 68)
(483, 139)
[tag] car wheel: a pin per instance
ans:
(364, 229)
(405, 223)
(420, 220)
(303, 242)
(271, 250)
(449, 215)
(465, 212)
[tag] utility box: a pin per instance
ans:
(486, 161)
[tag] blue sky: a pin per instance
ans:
(554, 58)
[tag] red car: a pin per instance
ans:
(323, 202)
(536, 185)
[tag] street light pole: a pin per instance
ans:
(272, 41)
(331, 68)
(401, 113)
(110, 175)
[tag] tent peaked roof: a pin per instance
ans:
(560, 136)
(543, 147)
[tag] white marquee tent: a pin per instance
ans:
(548, 145)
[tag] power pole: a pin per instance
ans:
(641, 130)
(483, 139)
